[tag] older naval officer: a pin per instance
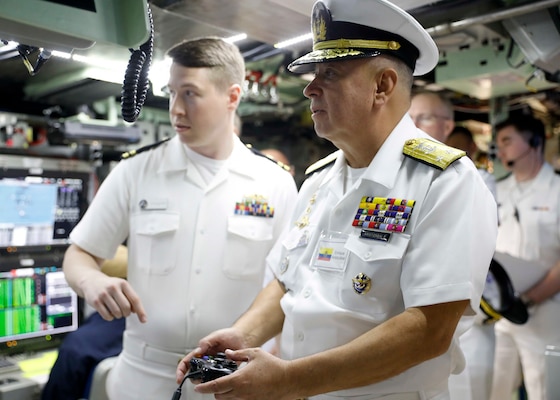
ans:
(384, 255)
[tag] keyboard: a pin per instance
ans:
(8, 365)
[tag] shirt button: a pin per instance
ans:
(198, 271)
(202, 231)
(191, 309)
(367, 256)
(300, 336)
(307, 293)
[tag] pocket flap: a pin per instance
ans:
(157, 223)
(370, 250)
(250, 227)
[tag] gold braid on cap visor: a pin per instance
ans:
(357, 44)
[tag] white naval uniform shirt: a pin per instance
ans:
(529, 229)
(530, 218)
(442, 256)
(195, 264)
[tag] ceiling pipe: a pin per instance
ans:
(449, 28)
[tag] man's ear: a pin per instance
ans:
(386, 85)
(449, 126)
(234, 97)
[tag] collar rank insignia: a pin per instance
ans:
(361, 283)
(132, 153)
(255, 205)
(431, 152)
(379, 216)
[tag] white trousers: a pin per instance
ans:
(475, 382)
(398, 396)
(142, 372)
(439, 393)
(520, 352)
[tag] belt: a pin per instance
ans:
(141, 349)
(396, 396)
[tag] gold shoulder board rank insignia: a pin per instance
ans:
(322, 163)
(432, 153)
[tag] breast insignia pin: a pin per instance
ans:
(361, 283)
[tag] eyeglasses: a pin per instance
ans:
(428, 119)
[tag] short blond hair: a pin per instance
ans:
(224, 59)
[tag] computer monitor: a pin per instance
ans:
(37, 308)
(41, 200)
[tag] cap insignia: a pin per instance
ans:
(319, 25)
(319, 30)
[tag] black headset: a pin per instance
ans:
(534, 141)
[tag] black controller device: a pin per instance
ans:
(207, 368)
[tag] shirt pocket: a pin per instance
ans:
(248, 241)
(545, 230)
(156, 235)
(381, 264)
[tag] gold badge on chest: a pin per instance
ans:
(303, 221)
(361, 283)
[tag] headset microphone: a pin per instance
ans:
(511, 163)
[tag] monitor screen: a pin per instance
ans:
(37, 307)
(41, 200)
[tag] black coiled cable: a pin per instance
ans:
(136, 83)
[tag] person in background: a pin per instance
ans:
(95, 340)
(462, 138)
(281, 158)
(200, 212)
(433, 113)
(383, 256)
(529, 217)
(478, 343)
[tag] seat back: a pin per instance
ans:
(97, 390)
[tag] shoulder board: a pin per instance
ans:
(132, 153)
(260, 153)
(322, 163)
(432, 153)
